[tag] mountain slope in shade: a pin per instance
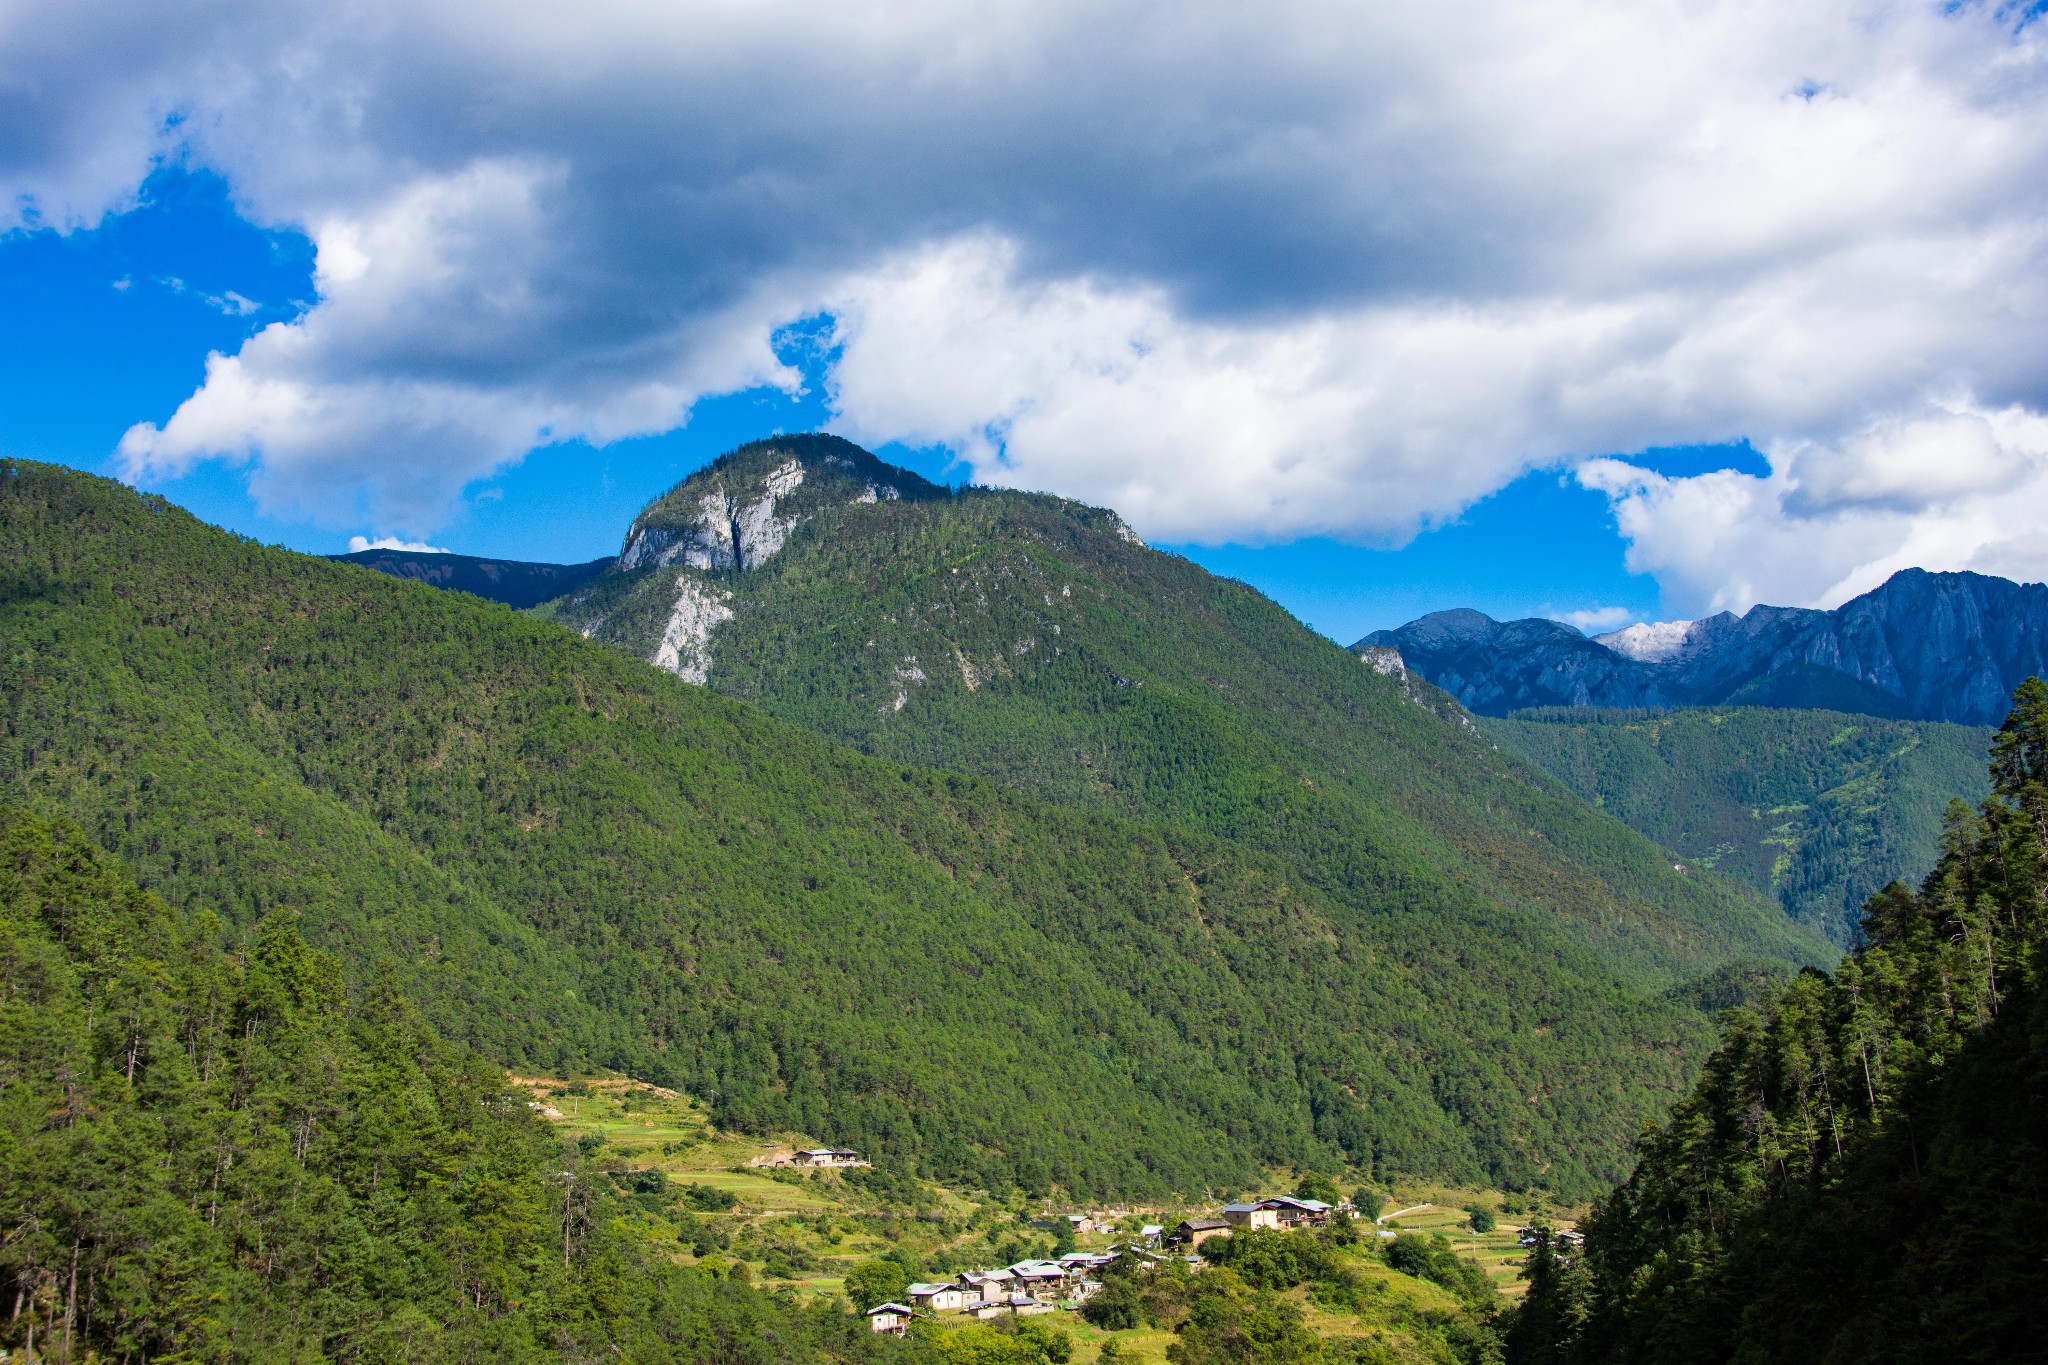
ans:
(1924, 646)
(516, 583)
(1816, 809)
(572, 859)
(1040, 643)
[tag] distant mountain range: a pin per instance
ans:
(1924, 646)
(516, 583)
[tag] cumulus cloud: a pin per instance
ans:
(1946, 490)
(358, 544)
(1318, 268)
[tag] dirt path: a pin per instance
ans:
(1398, 1213)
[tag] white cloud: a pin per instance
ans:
(1593, 620)
(1243, 275)
(1945, 490)
(358, 544)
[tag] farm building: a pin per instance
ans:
(1192, 1232)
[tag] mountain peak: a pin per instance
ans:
(1649, 642)
(735, 513)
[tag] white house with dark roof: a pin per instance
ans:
(890, 1317)
(1259, 1215)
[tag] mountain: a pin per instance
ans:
(1924, 646)
(1817, 809)
(572, 859)
(514, 582)
(1861, 1171)
(1039, 643)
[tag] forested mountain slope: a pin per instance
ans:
(570, 859)
(1861, 1173)
(1037, 642)
(206, 1153)
(1816, 809)
(516, 583)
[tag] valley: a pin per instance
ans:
(1051, 874)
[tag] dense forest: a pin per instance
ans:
(572, 860)
(1861, 1173)
(1816, 809)
(208, 1152)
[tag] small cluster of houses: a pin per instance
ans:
(1285, 1214)
(1029, 1288)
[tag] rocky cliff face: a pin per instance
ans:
(671, 588)
(1924, 646)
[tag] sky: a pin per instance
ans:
(1596, 311)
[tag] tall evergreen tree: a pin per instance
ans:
(1861, 1172)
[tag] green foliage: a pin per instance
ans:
(1815, 809)
(1314, 1186)
(207, 1153)
(709, 1198)
(1482, 1218)
(1368, 1201)
(1861, 1172)
(874, 1282)
(1025, 1342)
(1116, 1306)
(1431, 1258)
(573, 861)
(1270, 1259)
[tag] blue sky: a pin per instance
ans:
(1315, 278)
(112, 326)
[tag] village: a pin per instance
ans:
(1032, 1287)
(803, 1219)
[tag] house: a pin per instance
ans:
(988, 1308)
(890, 1317)
(937, 1298)
(1259, 1215)
(1080, 1223)
(1192, 1232)
(1083, 1290)
(1150, 1233)
(1031, 1275)
(1024, 1306)
(827, 1156)
(976, 1284)
(1300, 1213)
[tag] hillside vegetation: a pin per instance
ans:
(573, 860)
(208, 1153)
(1816, 809)
(1861, 1172)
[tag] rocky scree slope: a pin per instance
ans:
(1924, 646)
(572, 859)
(1039, 643)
